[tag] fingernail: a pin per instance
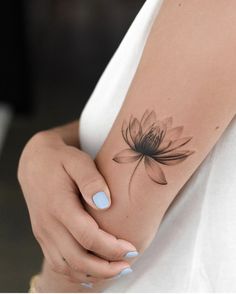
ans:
(131, 254)
(87, 285)
(101, 200)
(124, 272)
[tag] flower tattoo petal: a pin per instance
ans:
(154, 171)
(155, 142)
(124, 131)
(176, 144)
(126, 156)
(148, 119)
(174, 133)
(134, 130)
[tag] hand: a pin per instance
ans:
(56, 178)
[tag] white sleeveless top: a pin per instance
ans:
(195, 247)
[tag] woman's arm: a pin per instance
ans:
(186, 79)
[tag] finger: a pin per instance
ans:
(80, 261)
(87, 233)
(51, 253)
(71, 253)
(103, 269)
(92, 185)
(55, 260)
(81, 278)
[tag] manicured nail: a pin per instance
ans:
(87, 285)
(101, 200)
(124, 272)
(131, 254)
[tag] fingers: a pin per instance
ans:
(101, 268)
(87, 233)
(55, 260)
(80, 261)
(89, 180)
(58, 254)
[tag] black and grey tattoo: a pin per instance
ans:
(155, 142)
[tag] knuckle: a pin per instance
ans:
(81, 157)
(60, 269)
(90, 184)
(77, 266)
(116, 253)
(95, 280)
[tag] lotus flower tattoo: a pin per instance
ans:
(155, 142)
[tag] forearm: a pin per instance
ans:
(179, 77)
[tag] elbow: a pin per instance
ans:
(127, 226)
(140, 236)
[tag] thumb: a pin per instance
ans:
(92, 185)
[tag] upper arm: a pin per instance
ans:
(186, 79)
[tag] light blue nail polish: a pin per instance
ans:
(87, 285)
(124, 272)
(101, 200)
(131, 254)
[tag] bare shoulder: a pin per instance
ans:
(193, 42)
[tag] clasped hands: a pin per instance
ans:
(56, 179)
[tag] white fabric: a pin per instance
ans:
(194, 250)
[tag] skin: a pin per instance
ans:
(188, 72)
(50, 170)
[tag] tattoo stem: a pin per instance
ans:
(134, 172)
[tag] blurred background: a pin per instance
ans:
(53, 52)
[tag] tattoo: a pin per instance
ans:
(154, 142)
